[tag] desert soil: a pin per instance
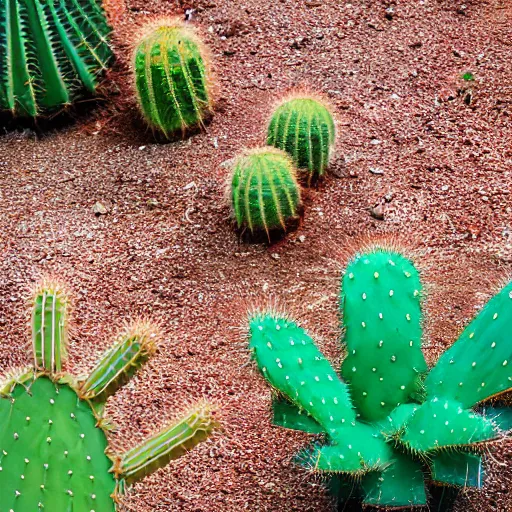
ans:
(431, 150)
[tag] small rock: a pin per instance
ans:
(375, 142)
(152, 202)
(275, 255)
(99, 209)
(141, 148)
(352, 173)
(389, 197)
(302, 238)
(376, 170)
(190, 185)
(378, 210)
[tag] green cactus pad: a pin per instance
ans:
(50, 53)
(380, 300)
(171, 77)
(289, 359)
(303, 127)
(359, 449)
(458, 468)
(51, 452)
(397, 419)
(49, 328)
(479, 364)
(288, 415)
(264, 192)
(400, 485)
(442, 423)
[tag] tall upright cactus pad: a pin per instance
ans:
(380, 302)
(304, 127)
(388, 429)
(479, 364)
(172, 78)
(264, 191)
(54, 452)
(50, 53)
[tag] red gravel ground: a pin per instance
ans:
(408, 141)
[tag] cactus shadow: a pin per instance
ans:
(274, 236)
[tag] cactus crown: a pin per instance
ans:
(263, 190)
(54, 450)
(385, 425)
(303, 126)
(50, 52)
(172, 77)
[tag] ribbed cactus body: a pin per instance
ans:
(171, 77)
(264, 192)
(304, 127)
(479, 364)
(380, 301)
(50, 53)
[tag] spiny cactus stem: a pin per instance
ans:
(171, 443)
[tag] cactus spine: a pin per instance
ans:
(264, 191)
(409, 427)
(304, 127)
(50, 53)
(54, 451)
(172, 78)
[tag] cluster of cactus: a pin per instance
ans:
(54, 452)
(303, 126)
(264, 191)
(171, 76)
(387, 421)
(50, 52)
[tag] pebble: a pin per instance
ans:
(376, 170)
(99, 209)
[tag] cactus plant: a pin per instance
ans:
(387, 422)
(263, 190)
(303, 126)
(50, 53)
(54, 450)
(172, 78)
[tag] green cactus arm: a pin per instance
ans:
(288, 415)
(51, 453)
(172, 443)
(359, 449)
(400, 485)
(397, 419)
(501, 416)
(291, 362)
(440, 424)
(479, 364)
(133, 348)
(49, 327)
(380, 302)
(457, 468)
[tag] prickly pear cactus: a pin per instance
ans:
(263, 190)
(54, 452)
(172, 78)
(303, 126)
(50, 53)
(388, 430)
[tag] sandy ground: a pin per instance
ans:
(433, 150)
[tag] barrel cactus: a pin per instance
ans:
(304, 126)
(54, 452)
(172, 78)
(263, 190)
(390, 426)
(51, 52)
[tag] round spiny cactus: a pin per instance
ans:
(304, 127)
(50, 52)
(263, 190)
(172, 77)
(54, 452)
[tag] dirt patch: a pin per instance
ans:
(431, 148)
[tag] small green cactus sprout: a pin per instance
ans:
(172, 78)
(264, 191)
(50, 53)
(54, 452)
(385, 426)
(303, 126)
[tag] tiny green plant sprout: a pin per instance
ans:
(172, 77)
(50, 53)
(303, 126)
(54, 452)
(389, 425)
(263, 190)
